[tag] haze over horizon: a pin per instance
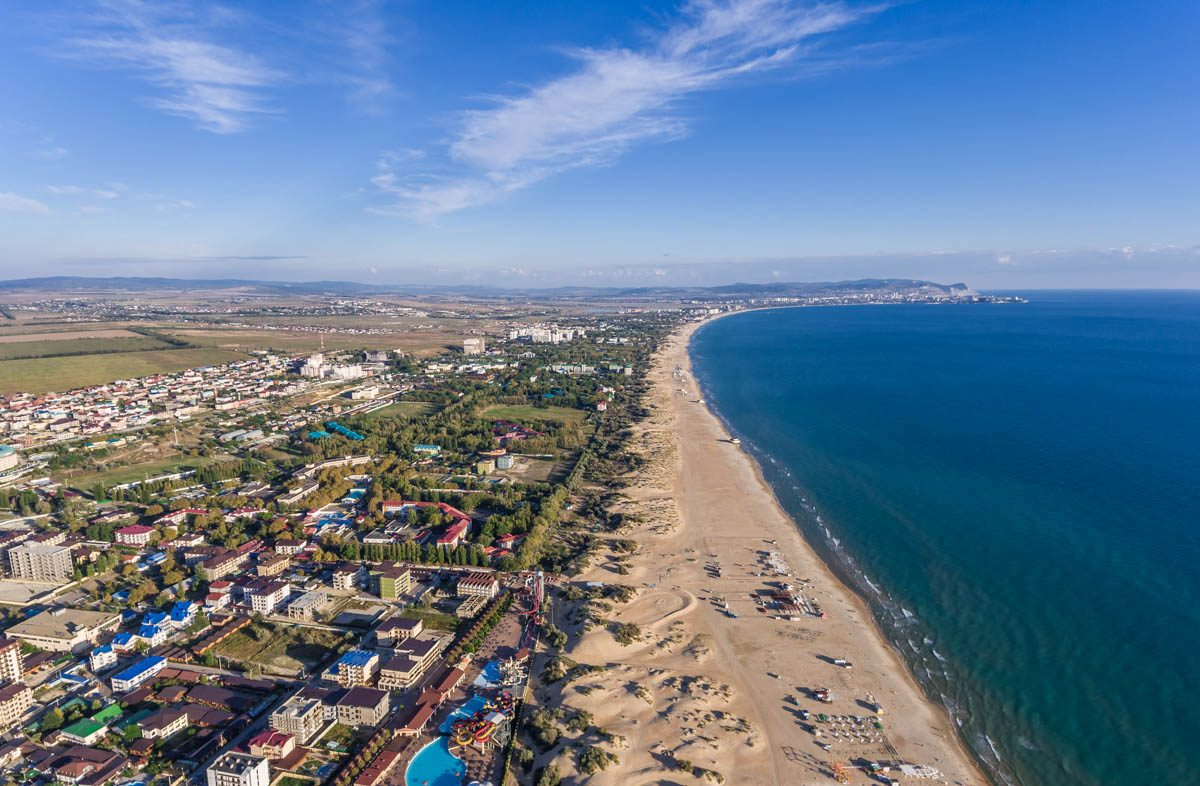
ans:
(674, 143)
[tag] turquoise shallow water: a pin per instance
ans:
(1016, 490)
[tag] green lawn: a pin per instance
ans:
(147, 469)
(59, 374)
(404, 409)
(522, 413)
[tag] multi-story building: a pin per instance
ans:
(12, 668)
(300, 717)
(65, 630)
(348, 576)
(390, 581)
(477, 584)
(397, 629)
(356, 667)
(41, 562)
(132, 676)
(239, 769)
(15, 699)
(271, 564)
(265, 599)
(307, 605)
(133, 535)
(362, 707)
(221, 564)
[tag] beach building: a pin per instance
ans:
(239, 769)
(65, 630)
(41, 562)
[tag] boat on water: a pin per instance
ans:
(735, 441)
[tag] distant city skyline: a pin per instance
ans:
(622, 143)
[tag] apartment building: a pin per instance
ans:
(41, 562)
(239, 769)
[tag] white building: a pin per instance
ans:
(239, 769)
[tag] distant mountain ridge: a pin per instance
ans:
(85, 284)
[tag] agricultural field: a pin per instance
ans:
(403, 409)
(65, 335)
(65, 373)
(283, 649)
(74, 347)
(524, 413)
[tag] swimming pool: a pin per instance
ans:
(472, 706)
(435, 765)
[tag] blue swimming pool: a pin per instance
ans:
(435, 765)
(472, 706)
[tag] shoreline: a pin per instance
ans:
(833, 571)
(698, 668)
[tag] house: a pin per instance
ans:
(134, 535)
(272, 744)
(362, 706)
(182, 613)
(101, 658)
(85, 731)
(87, 766)
(163, 723)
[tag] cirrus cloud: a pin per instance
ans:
(614, 99)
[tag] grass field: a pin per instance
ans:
(78, 346)
(279, 648)
(146, 469)
(59, 374)
(403, 409)
(66, 335)
(522, 413)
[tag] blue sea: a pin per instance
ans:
(1015, 489)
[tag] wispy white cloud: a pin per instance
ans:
(216, 85)
(15, 203)
(80, 191)
(364, 40)
(614, 99)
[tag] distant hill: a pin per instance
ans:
(84, 284)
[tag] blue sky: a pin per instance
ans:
(1014, 144)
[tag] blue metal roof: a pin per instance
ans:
(356, 658)
(154, 618)
(142, 666)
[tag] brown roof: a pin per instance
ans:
(363, 697)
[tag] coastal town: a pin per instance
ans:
(361, 565)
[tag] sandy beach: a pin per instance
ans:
(718, 688)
